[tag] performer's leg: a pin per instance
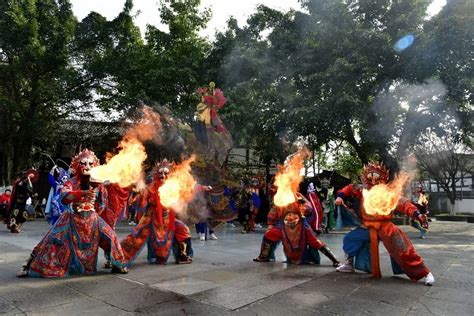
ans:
(269, 242)
(352, 244)
(402, 251)
(201, 230)
(212, 236)
(112, 249)
(25, 269)
(315, 243)
(183, 239)
(133, 244)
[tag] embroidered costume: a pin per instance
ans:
(72, 244)
(288, 225)
(158, 228)
(362, 242)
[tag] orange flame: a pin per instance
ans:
(125, 168)
(178, 189)
(383, 198)
(288, 178)
(422, 199)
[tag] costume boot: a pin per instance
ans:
(107, 264)
(118, 270)
(183, 257)
(25, 269)
(328, 253)
(266, 251)
(348, 266)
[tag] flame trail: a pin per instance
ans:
(126, 167)
(178, 189)
(383, 198)
(288, 178)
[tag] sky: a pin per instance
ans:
(221, 10)
(148, 10)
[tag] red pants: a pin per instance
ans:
(276, 234)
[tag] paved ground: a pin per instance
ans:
(223, 280)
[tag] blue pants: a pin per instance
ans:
(201, 228)
(354, 240)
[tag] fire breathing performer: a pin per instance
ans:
(378, 199)
(17, 213)
(287, 220)
(158, 227)
(72, 245)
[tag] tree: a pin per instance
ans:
(445, 159)
(35, 75)
(175, 59)
(54, 68)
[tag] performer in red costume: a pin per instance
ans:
(72, 244)
(158, 227)
(288, 225)
(375, 227)
(315, 219)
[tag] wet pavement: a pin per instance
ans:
(223, 280)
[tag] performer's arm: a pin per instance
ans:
(405, 206)
(346, 191)
(68, 195)
(203, 188)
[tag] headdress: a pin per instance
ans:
(374, 171)
(83, 156)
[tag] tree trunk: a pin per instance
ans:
(452, 210)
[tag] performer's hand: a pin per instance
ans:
(339, 201)
(207, 188)
(88, 194)
(423, 221)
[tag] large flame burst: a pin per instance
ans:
(178, 188)
(125, 168)
(288, 178)
(383, 198)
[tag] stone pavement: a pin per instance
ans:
(223, 280)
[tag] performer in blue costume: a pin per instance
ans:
(57, 177)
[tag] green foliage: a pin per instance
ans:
(175, 59)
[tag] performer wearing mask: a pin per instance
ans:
(158, 227)
(361, 244)
(72, 245)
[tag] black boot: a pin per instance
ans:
(266, 251)
(118, 270)
(25, 269)
(183, 257)
(328, 253)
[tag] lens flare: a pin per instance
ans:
(403, 43)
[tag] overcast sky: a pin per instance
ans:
(221, 10)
